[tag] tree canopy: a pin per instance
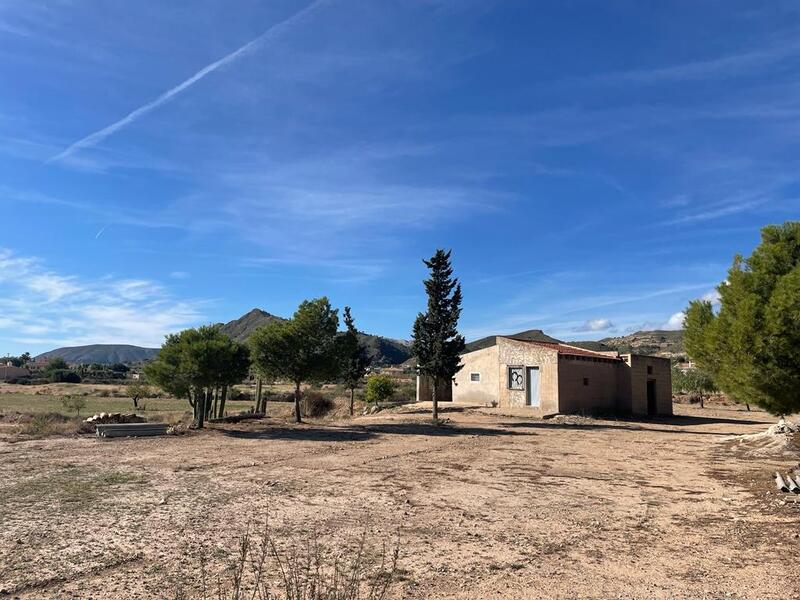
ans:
(56, 364)
(197, 362)
(437, 343)
(301, 349)
(751, 346)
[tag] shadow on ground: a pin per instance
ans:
(649, 424)
(355, 433)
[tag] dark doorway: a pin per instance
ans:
(652, 406)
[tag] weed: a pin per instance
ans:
(261, 567)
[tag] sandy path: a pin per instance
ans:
(490, 507)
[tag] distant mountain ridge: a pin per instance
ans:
(104, 354)
(659, 342)
(383, 351)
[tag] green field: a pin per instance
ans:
(38, 403)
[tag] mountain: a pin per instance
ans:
(383, 351)
(530, 335)
(105, 354)
(668, 344)
(241, 328)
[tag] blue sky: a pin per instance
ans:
(593, 165)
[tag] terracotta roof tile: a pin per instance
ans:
(572, 350)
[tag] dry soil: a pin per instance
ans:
(487, 506)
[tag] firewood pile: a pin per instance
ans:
(114, 418)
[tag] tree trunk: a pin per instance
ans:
(215, 405)
(702, 401)
(352, 397)
(223, 398)
(435, 401)
(135, 403)
(297, 402)
(258, 395)
(748, 406)
(200, 401)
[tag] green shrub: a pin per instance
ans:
(379, 389)
(64, 376)
(74, 403)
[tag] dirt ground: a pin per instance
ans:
(487, 506)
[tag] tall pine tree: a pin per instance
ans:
(437, 343)
(751, 346)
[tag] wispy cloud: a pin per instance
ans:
(42, 308)
(270, 35)
(734, 64)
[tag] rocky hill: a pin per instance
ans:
(668, 344)
(383, 351)
(241, 328)
(104, 354)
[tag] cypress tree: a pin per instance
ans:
(355, 360)
(436, 341)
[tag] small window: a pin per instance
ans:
(516, 378)
(585, 381)
(649, 369)
(474, 376)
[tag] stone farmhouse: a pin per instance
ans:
(533, 371)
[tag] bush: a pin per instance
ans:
(315, 404)
(74, 403)
(64, 376)
(48, 424)
(238, 394)
(379, 389)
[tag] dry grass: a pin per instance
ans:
(265, 567)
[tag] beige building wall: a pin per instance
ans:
(513, 353)
(587, 383)
(567, 383)
(645, 368)
(485, 391)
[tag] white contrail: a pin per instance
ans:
(270, 34)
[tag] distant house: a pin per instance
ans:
(529, 371)
(8, 371)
